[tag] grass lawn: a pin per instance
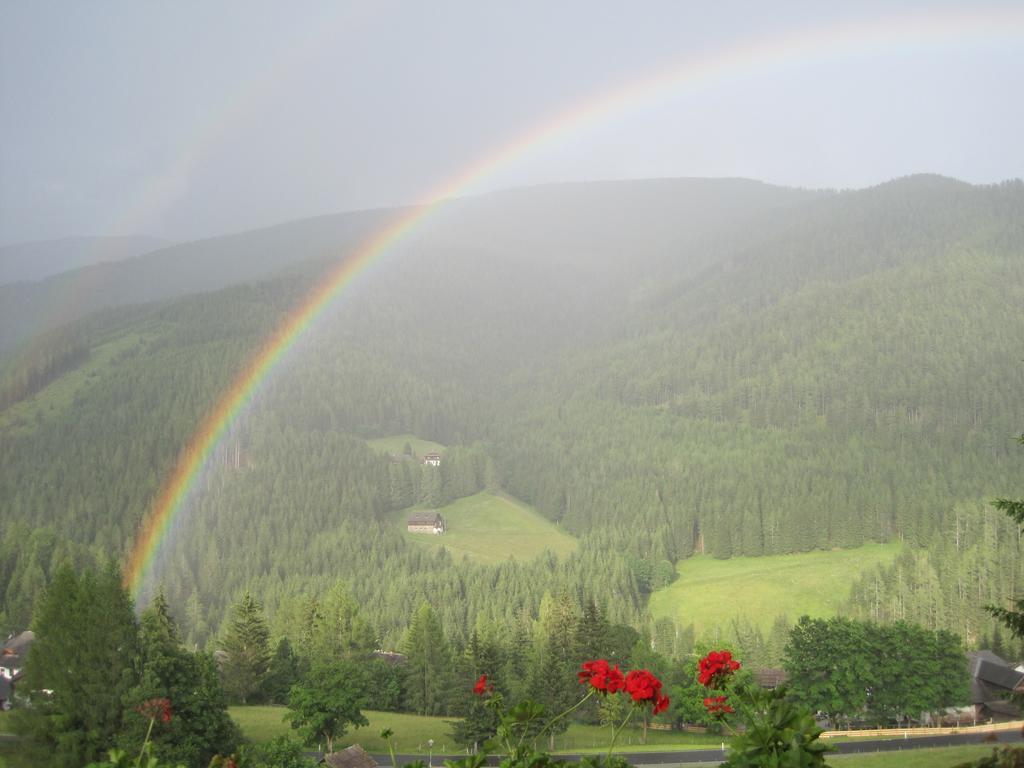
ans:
(709, 593)
(13, 756)
(395, 445)
(490, 529)
(937, 757)
(5, 722)
(412, 732)
(56, 397)
(261, 724)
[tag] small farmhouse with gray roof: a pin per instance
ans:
(353, 757)
(993, 684)
(12, 665)
(426, 521)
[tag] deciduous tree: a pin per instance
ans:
(329, 700)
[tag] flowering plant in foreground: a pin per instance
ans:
(775, 732)
(153, 710)
(522, 726)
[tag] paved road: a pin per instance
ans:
(717, 755)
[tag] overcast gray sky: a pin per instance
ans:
(188, 119)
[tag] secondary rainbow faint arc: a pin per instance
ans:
(735, 60)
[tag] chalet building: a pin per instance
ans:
(353, 757)
(432, 459)
(426, 521)
(993, 682)
(12, 665)
(770, 678)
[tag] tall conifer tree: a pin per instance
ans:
(246, 649)
(428, 663)
(86, 652)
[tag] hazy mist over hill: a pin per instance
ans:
(133, 119)
(493, 336)
(32, 261)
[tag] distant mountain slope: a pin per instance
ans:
(205, 265)
(35, 260)
(568, 224)
(806, 371)
(845, 375)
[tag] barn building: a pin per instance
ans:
(426, 521)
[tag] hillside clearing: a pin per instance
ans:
(710, 593)
(57, 397)
(490, 529)
(912, 758)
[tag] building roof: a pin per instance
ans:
(15, 645)
(770, 678)
(13, 651)
(353, 757)
(425, 517)
(992, 679)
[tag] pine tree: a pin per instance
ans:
(428, 661)
(200, 726)
(340, 631)
(86, 652)
(1012, 618)
(282, 673)
(553, 681)
(245, 649)
(479, 722)
(592, 633)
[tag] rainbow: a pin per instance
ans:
(976, 25)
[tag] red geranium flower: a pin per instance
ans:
(646, 688)
(716, 668)
(602, 676)
(156, 709)
(482, 686)
(716, 705)
(660, 705)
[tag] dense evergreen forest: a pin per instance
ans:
(656, 370)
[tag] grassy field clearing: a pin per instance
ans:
(260, 724)
(709, 593)
(396, 444)
(412, 732)
(490, 529)
(937, 757)
(56, 397)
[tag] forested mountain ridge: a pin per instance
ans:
(561, 222)
(812, 371)
(21, 262)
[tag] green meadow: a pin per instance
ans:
(932, 757)
(710, 593)
(412, 732)
(53, 400)
(395, 444)
(490, 528)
